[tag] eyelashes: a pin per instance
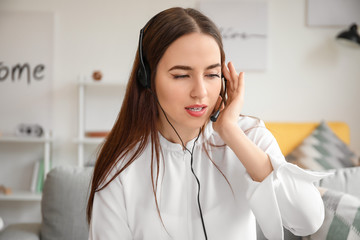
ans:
(214, 75)
(180, 76)
(187, 76)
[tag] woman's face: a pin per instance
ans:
(188, 81)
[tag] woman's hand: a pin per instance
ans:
(229, 115)
(254, 159)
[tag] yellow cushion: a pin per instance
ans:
(290, 134)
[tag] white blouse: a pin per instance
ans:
(126, 208)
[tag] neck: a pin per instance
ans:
(169, 133)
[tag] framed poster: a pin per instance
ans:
(26, 66)
(243, 26)
(321, 13)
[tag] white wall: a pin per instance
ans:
(310, 77)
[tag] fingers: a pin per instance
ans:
(241, 84)
(235, 80)
(226, 73)
(234, 76)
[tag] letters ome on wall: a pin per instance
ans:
(26, 66)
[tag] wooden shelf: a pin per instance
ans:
(21, 196)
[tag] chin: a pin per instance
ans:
(198, 123)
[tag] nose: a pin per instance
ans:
(198, 88)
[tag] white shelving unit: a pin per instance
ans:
(81, 139)
(21, 196)
(46, 140)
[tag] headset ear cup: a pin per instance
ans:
(143, 75)
(147, 77)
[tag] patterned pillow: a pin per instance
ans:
(342, 217)
(322, 150)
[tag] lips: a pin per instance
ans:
(196, 110)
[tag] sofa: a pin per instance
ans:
(63, 208)
(66, 189)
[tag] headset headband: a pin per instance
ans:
(143, 74)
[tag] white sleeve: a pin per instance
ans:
(287, 197)
(109, 218)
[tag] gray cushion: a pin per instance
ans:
(345, 180)
(23, 231)
(342, 217)
(322, 150)
(64, 204)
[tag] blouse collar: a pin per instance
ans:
(170, 146)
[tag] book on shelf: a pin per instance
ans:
(37, 181)
(34, 176)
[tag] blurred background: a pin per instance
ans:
(306, 76)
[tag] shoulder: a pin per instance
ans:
(137, 159)
(128, 162)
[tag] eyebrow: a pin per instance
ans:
(183, 67)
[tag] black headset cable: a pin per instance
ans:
(191, 163)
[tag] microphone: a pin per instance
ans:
(216, 114)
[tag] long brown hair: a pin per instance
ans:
(137, 120)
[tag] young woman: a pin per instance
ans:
(167, 172)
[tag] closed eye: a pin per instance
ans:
(180, 76)
(213, 75)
